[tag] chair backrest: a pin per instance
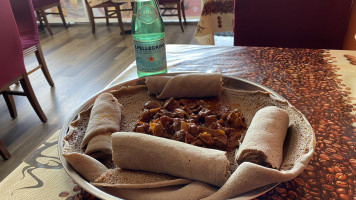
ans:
(25, 18)
(292, 23)
(11, 57)
(43, 3)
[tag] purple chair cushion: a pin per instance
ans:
(43, 3)
(28, 40)
(294, 23)
(11, 57)
(26, 22)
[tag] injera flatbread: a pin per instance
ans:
(120, 178)
(193, 191)
(105, 118)
(185, 85)
(299, 146)
(139, 151)
(81, 162)
(264, 139)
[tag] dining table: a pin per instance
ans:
(217, 19)
(320, 83)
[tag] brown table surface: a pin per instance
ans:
(320, 83)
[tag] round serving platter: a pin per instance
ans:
(228, 82)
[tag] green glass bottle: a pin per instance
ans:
(148, 38)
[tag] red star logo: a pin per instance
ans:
(151, 59)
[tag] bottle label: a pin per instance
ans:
(147, 14)
(150, 56)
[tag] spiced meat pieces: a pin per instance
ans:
(201, 122)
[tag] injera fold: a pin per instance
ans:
(81, 162)
(105, 118)
(185, 85)
(120, 178)
(264, 139)
(137, 151)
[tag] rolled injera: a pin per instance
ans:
(264, 139)
(139, 151)
(185, 85)
(105, 118)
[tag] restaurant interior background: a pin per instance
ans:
(75, 11)
(71, 59)
(83, 63)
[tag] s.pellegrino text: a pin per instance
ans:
(148, 38)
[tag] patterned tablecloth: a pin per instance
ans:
(320, 83)
(217, 16)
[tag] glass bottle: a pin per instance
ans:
(148, 38)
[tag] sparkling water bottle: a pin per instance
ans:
(148, 38)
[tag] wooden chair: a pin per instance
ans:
(166, 5)
(40, 7)
(109, 13)
(4, 152)
(30, 42)
(12, 67)
(315, 24)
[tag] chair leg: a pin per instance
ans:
(9, 99)
(44, 17)
(106, 16)
(180, 15)
(62, 15)
(183, 11)
(4, 152)
(27, 88)
(91, 17)
(42, 62)
(118, 14)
